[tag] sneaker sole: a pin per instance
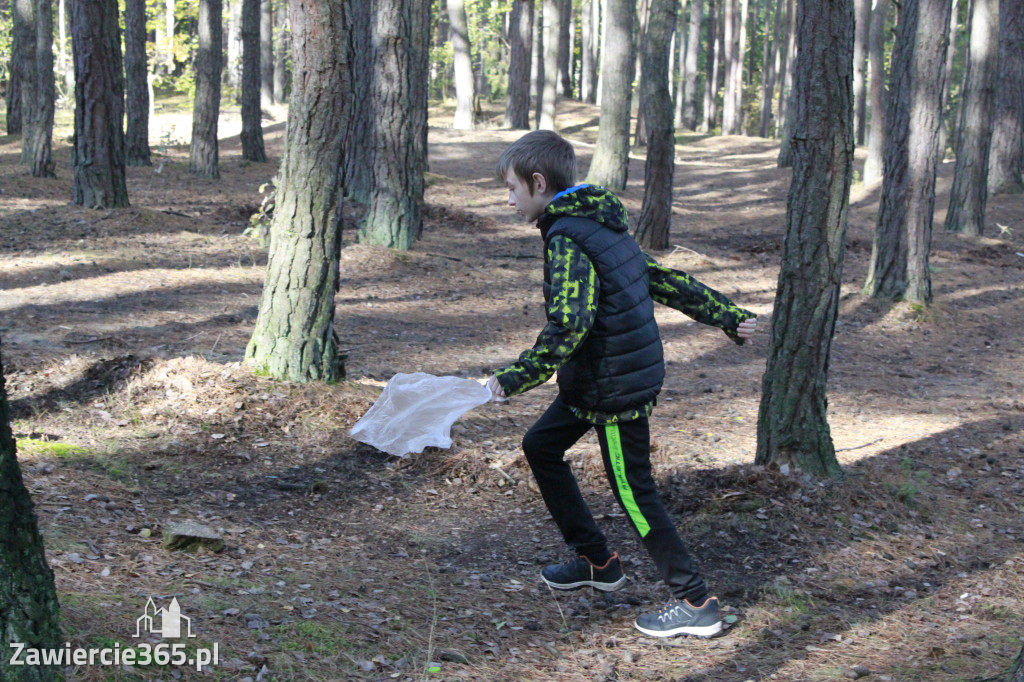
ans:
(704, 631)
(603, 587)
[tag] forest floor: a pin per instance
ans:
(123, 334)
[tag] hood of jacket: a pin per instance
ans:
(586, 201)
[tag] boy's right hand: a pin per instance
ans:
(497, 392)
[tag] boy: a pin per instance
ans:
(602, 339)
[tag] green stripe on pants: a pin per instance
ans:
(619, 470)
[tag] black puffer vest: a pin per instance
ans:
(619, 367)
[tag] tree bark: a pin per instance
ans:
(38, 95)
(136, 81)
(730, 116)
(652, 231)
(549, 75)
(566, 32)
(710, 69)
(281, 42)
(203, 155)
(786, 94)
(517, 106)
(294, 338)
(900, 252)
(877, 93)
(862, 8)
(969, 195)
(98, 153)
(465, 86)
(401, 34)
(610, 165)
(24, 22)
(233, 66)
(690, 91)
(768, 69)
(590, 32)
(267, 53)
(359, 141)
(29, 612)
(21, 37)
(948, 119)
(792, 422)
(252, 123)
(1006, 163)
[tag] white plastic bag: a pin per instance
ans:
(417, 411)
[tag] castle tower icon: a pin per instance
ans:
(170, 620)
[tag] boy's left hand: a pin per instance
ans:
(497, 392)
(746, 328)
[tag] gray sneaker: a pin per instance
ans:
(579, 572)
(680, 617)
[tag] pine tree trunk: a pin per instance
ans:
(517, 106)
(38, 95)
(98, 154)
(730, 117)
(24, 21)
(785, 159)
(970, 176)
(549, 76)
(358, 157)
(281, 45)
(652, 231)
(782, 73)
(900, 252)
(203, 155)
(233, 65)
(465, 86)
(768, 69)
(294, 337)
(610, 165)
(169, 20)
(590, 31)
(22, 40)
(252, 123)
(690, 76)
(29, 612)
(267, 53)
(862, 8)
(1006, 163)
(876, 91)
(136, 82)
(710, 57)
(792, 423)
(565, 34)
(394, 216)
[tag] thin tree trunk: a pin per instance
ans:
(900, 252)
(520, 36)
(948, 119)
(792, 422)
(610, 165)
(1006, 163)
(782, 72)
(24, 30)
(98, 153)
(37, 104)
(234, 65)
(203, 155)
(18, 40)
(549, 88)
(566, 32)
(877, 93)
(137, 83)
(358, 112)
(690, 90)
(29, 612)
(590, 30)
(63, 63)
(537, 62)
(465, 87)
(294, 338)
(862, 8)
(169, 21)
(652, 230)
(730, 116)
(969, 195)
(738, 91)
(267, 53)
(281, 45)
(711, 69)
(394, 215)
(252, 123)
(640, 138)
(786, 116)
(768, 69)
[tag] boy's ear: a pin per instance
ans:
(540, 183)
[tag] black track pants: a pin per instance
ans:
(626, 452)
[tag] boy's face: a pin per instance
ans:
(530, 206)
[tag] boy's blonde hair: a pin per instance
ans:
(541, 151)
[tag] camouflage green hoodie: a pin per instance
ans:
(571, 303)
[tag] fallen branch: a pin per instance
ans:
(858, 447)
